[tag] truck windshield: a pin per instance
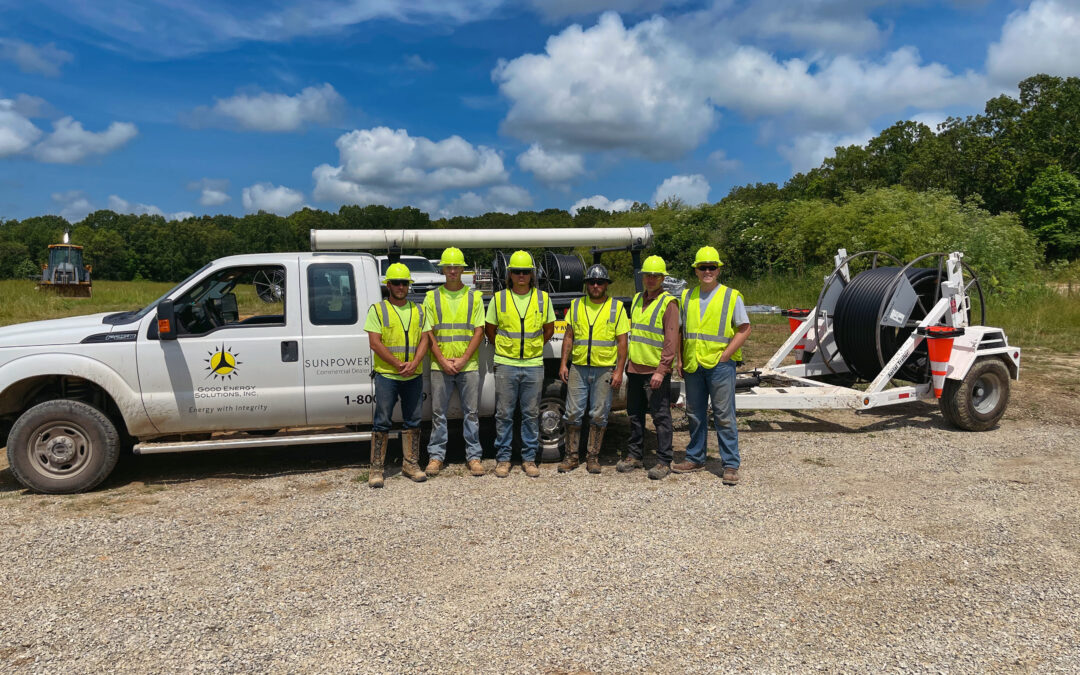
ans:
(414, 264)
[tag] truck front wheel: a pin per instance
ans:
(977, 402)
(62, 446)
(552, 429)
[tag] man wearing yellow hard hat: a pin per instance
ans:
(395, 333)
(520, 321)
(715, 326)
(454, 327)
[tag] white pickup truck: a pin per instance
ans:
(218, 353)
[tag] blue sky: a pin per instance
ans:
(461, 107)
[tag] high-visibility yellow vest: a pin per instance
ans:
(520, 337)
(454, 331)
(706, 337)
(647, 328)
(402, 343)
(595, 345)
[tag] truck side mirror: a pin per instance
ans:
(166, 320)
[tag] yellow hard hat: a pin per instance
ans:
(654, 264)
(520, 260)
(452, 257)
(707, 254)
(397, 272)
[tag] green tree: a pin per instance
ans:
(1052, 211)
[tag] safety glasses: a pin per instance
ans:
(520, 271)
(397, 282)
(708, 268)
(596, 282)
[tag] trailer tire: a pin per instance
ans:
(977, 402)
(552, 428)
(62, 446)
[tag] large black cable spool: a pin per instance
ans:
(856, 322)
(562, 273)
(498, 271)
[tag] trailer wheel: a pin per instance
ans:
(62, 446)
(977, 402)
(552, 429)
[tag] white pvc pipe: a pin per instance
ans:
(601, 237)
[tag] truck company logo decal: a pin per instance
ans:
(222, 364)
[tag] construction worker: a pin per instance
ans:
(520, 320)
(596, 338)
(394, 327)
(654, 345)
(715, 326)
(454, 328)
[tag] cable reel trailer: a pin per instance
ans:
(892, 322)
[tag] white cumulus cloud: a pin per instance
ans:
(810, 150)
(17, 132)
(603, 203)
(551, 167)
(121, 205)
(1043, 38)
(498, 199)
(272, 198)
(384, 166)
(692, 190)
(274, 112)
(70, 143)
(44, 60)
(211, 192)
(74, 205)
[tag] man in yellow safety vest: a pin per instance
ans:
(454, 327)
(596, 337)
(715, 326)
(394, 332)
(654, 344)
(520, 321)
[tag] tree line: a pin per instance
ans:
(1001, 186)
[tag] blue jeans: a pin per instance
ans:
(468, 388)
(387, 393)
(717, 384)
(517, 387)
(588, 386)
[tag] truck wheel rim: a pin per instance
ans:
(985, 394)
(551, 424)
(59, 449)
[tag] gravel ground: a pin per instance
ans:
(855, 542)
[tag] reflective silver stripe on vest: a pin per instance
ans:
(452, 326)
(603, 343)
(614, 309)
(502, 301)
(455, 338)
(651, 326)
(704, 337)
(385, 313)
(724, 319)
(646, 341)
(398, 350)
(438, 306)
(518, 336)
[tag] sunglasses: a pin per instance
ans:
(708, 268)
(520, 271)
(397, 282)
(596, 282)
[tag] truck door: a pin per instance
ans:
(337, 357)
(237, 362)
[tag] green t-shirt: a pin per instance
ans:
(373, 324)
(453, 300)
(521, 303)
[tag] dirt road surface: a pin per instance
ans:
(876, 541)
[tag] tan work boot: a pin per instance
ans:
(502, 469)
(570, 459)
(592, 457)
(731, 476)
(530, 469)
(378, 457)
(410, 455)
(476, 467)
(434, 466)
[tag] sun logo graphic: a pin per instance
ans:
(222, 364)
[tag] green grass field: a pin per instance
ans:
(1042, 318)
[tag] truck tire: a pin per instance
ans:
(977, 402)
(62, 446)
(552, 429)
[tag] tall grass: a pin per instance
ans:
(20, 301)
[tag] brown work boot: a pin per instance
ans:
(592, 457)
(434, 466)
(629, 464)
(378, 458)
(476, 467)
(659, 471)
(686, 466)
(502, 469)
(530, 469)
(731, 476)
(570, 458)
(410, 455)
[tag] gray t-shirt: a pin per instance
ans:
(740, 317)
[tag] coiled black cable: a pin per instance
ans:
(562, 273)
(856, 322)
